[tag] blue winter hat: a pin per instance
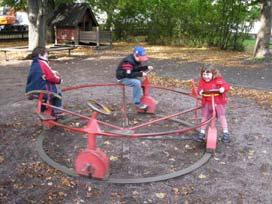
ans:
(139, 51)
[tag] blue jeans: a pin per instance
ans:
(56, 101)
(136, 84)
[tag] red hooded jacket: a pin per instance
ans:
(215, 83)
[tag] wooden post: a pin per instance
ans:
(6, 55)
(110, 37)
(97, 37)
(76, 35)
(56, 35)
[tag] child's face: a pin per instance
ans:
(45, 56)
(207, 76)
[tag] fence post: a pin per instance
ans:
(56, 35)
(97, 37)
(110, 37)
(77, 35)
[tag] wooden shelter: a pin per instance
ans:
(69, 20)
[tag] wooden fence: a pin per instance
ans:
(8, 35)
(97, 37)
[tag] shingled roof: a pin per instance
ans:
(71, 15)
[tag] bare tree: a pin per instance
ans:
(37, 23)
(263, 38)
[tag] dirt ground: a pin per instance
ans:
(238, 172)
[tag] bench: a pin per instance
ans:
(61, 48)
(25, 49)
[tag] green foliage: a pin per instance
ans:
(16, 4)
(249, 44)
(22, 4)
(220, 23)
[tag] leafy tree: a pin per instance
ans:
(220, 23)
(108, 6)
(15, 4)
(38, 13)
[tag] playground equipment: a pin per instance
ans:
(147, 99)
(211, 139)
(93, 161)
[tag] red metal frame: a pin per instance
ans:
(212, 131)
(147, 99)
(92, 161)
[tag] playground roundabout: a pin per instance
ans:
(117, 139)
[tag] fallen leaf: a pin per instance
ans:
(202, 176)
(107, 142)
(113, 158)
(1, 159)
(62, 194)
(251, 152)
(65, 182)
(176, 190)
(188, 147)
(160, 195)
(165, 152)
(135, 193)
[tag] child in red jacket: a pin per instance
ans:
(211, 79)
(42, 77)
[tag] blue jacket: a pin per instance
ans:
(42, 77)
(130, 68)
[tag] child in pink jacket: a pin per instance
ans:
(212, 79)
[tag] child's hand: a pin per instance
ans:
(201, 92)
(150, 67)
(56, 73)
(221, 90)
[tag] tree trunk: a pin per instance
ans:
(263, 37)
(37, 23)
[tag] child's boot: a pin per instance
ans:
(200, 137)
(226, 137)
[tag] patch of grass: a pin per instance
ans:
(249, 44)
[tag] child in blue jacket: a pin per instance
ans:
(42, 77)
(128, 71)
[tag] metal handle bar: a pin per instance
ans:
(214, 92)
(44, 92)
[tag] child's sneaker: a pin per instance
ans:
(226, 137)
(141, 106)
(59, 116)
(200, 137)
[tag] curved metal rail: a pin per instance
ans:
(121, 134)
(39, 145)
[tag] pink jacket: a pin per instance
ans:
(215, 83)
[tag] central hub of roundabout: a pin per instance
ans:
(107, 140)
